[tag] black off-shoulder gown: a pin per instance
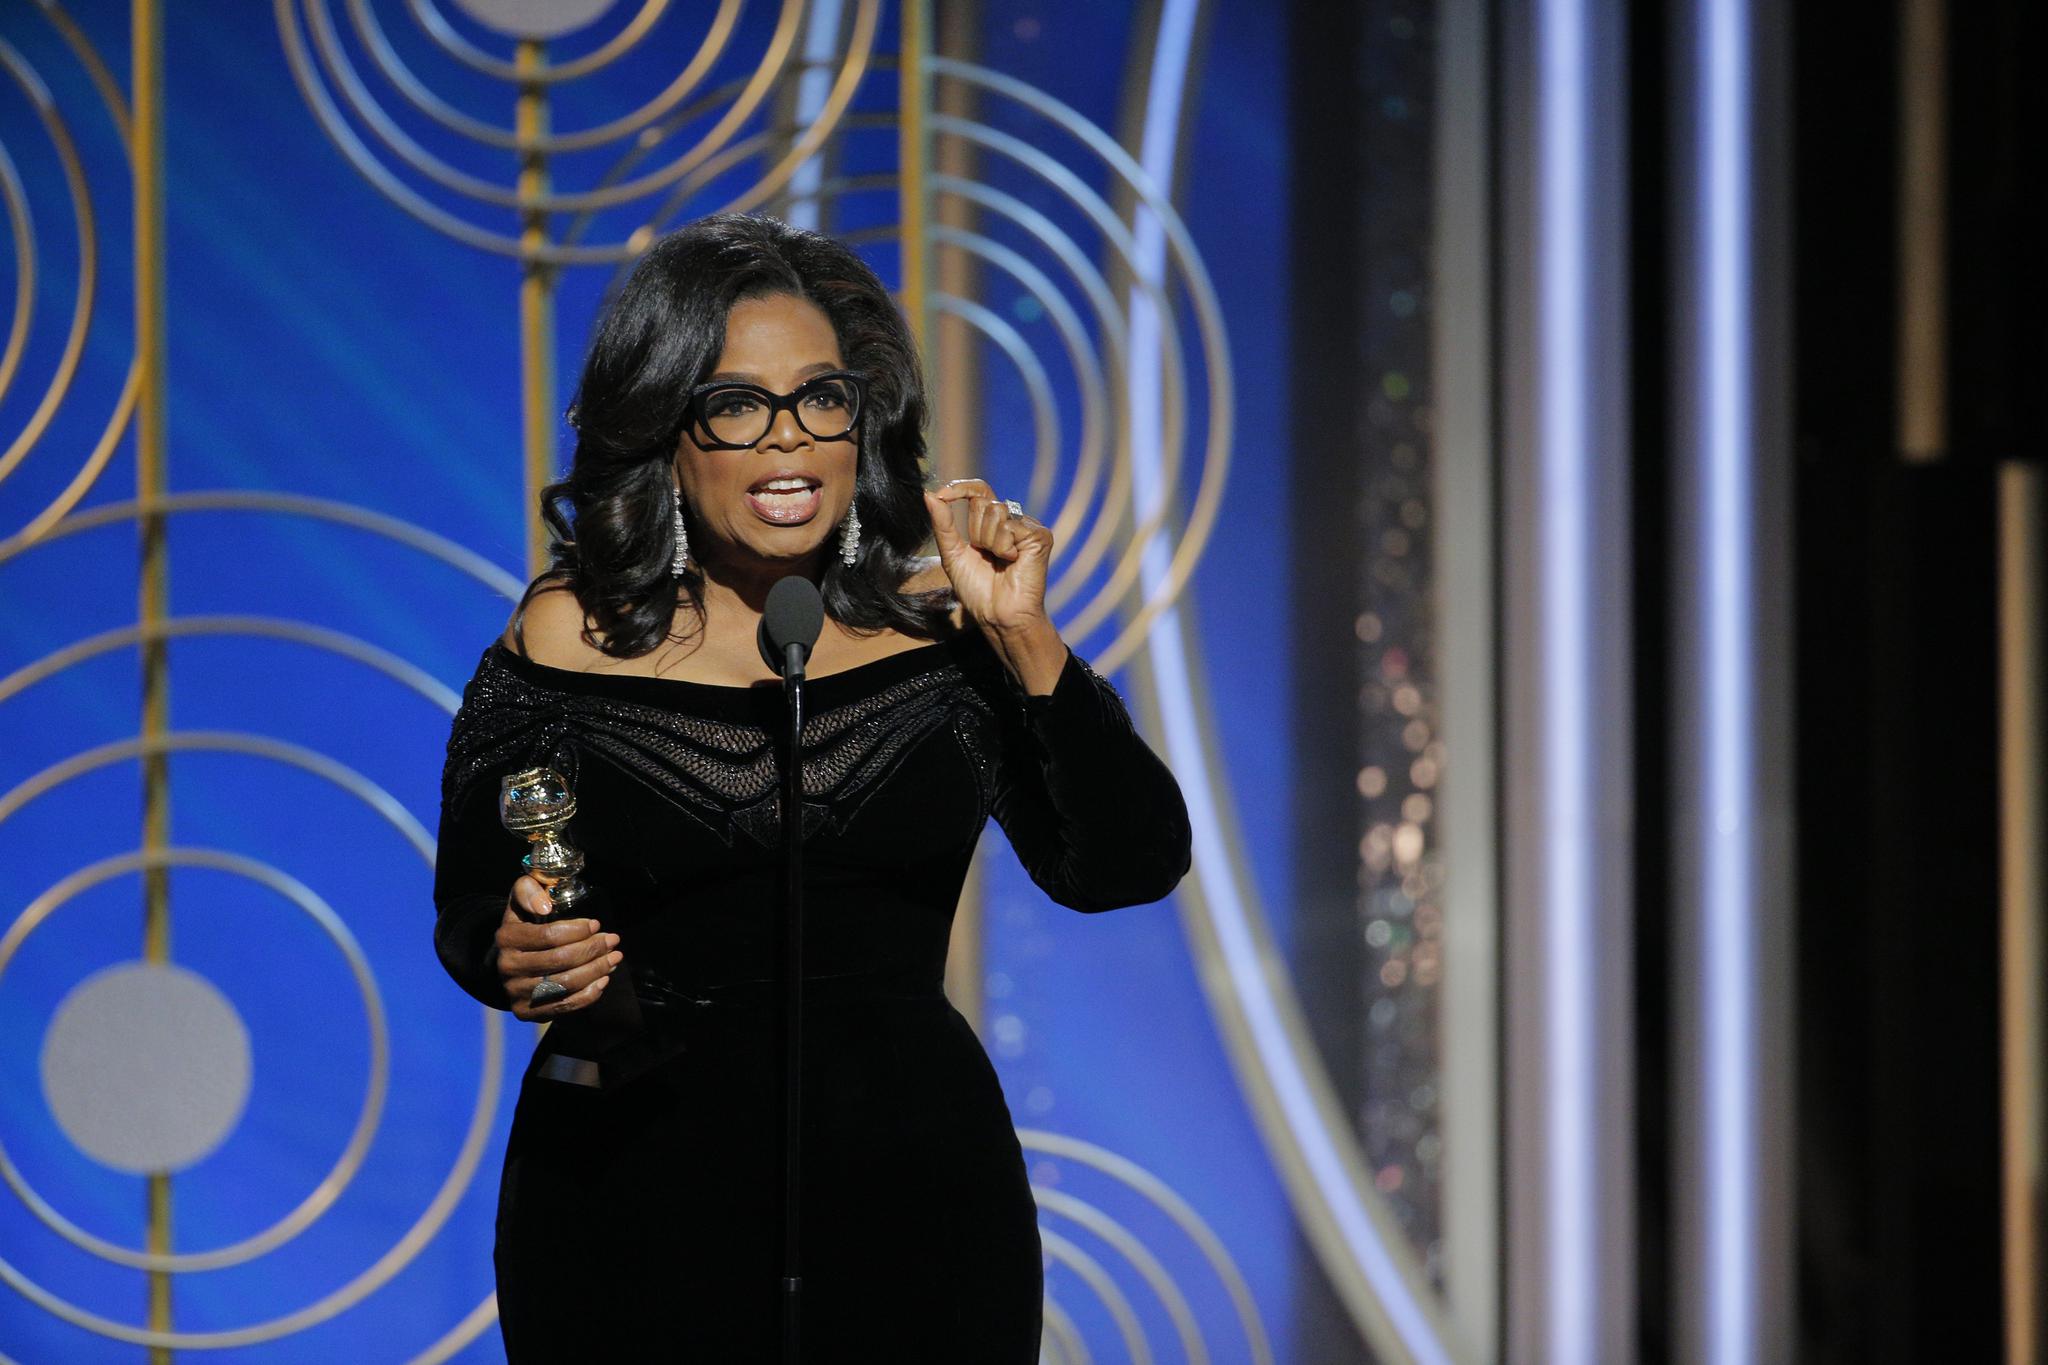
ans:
(639, 1221)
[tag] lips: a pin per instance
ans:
(786, 498)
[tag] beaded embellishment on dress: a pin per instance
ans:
(720, 773)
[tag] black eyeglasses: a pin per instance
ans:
(736, 416)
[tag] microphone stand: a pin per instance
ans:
(792, 1003)
(790, 621)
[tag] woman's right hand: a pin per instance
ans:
(571, 951)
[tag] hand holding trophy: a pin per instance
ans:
(552, 956)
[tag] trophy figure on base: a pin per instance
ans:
(536, 804)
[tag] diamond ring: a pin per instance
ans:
(1016, 508)
(545, 991)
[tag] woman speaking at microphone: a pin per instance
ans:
(750, 408)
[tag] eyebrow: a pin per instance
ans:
(743, 377)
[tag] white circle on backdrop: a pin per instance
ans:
(146, 1067)
(534, 18)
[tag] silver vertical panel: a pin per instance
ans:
(1731, 887)
(1567, 762)
(1468, 567)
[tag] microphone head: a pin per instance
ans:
(793, 615)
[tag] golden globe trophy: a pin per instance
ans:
(536, 804)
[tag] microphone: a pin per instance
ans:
(790, 623)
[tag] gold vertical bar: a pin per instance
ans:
(153, 589)
(952, 346)
(159, 1196)
(1922, 417)
(785, 132)
(2021, 676)
(152, 604)
(952, 352)
(536, 302)
(914, 151)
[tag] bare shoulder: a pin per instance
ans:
(554, 622)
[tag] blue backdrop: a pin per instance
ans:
(323, 343)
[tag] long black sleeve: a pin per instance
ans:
(501, 727)
(475, 864)
(1096, 818)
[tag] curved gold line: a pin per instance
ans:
(88, 473)
(262, 627)
(1129, 1172)
(1281, 1140)
(224, 741)
(678, 199)
(437, 27)
(402, 79)
(338, 131)
(1209, 316)
(117, 110)
(1102, 386)
(456, 556)
(1172, 435)
(369, 1281)
(1064, 1337)
(110, 436)
(745, 149)
(1081, 354)
(1142, 1260)
(1311, 1202)
(472, 1326)
(330, 1187)
(643, 147)
(1096, 1278)
(22, 225)
(1105, 385)
(335, 62)
(1045, 420)
(860, 45)
(88, 256)
(843, 185)
(96, 70)
(116, 103)
(1117, 498)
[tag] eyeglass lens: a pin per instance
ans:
(826, 408)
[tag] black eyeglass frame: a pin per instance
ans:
(699, 425)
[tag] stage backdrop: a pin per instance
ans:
(299, 292)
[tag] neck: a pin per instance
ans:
(739, 587)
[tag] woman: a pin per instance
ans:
(751, 407)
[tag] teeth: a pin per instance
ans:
(785, 486)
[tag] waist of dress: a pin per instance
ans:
(689, 996)
(677, 1014)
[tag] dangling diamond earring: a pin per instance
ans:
(681, 561)
(849, 534)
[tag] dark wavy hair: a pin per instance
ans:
(657, 339)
